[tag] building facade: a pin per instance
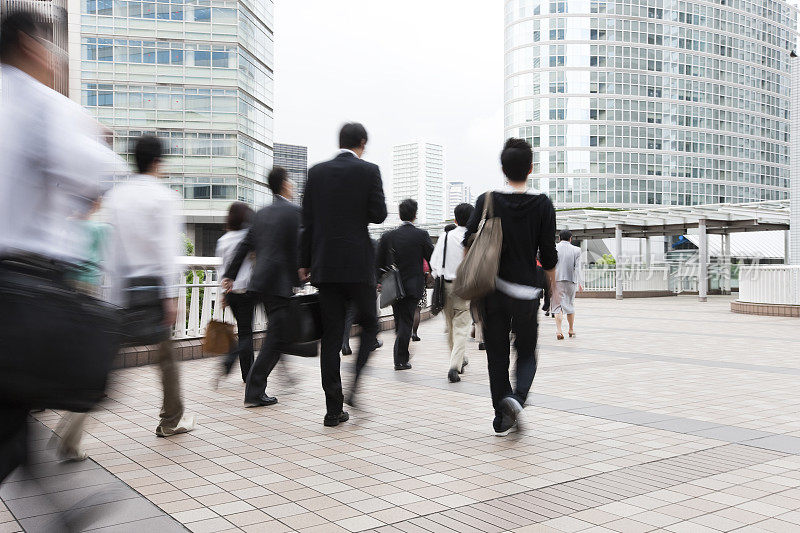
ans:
(636, 102)
(294, 159)
(198, 74)
(418, 173)
(458, 192)
(794, 204)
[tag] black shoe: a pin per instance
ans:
(547, 313)
(264, 400)
(404, 366)
(481, 346)
(350, 400)
(452, 375)
(503, 425)
(347, 351)
(415, 338)
(464, 364)
(378, 344)
(334, 420)
(510, 408)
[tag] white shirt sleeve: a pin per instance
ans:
(171, 225)
(436, 257)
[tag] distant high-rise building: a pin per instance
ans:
(294, 159)
(663, 102)
(457, 193)
(794, 138)
(196, 73)
(418, 173)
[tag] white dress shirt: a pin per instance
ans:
(226, 249)
(348, 151)
(51, 166)
(146, 216)
(455, 253)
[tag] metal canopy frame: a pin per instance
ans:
(720, 219)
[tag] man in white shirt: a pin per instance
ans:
(456, 311)
(147, 225)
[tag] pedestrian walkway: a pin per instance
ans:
(661, 415)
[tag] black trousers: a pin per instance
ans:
(546, 303)
(404, 322)
(333, 299)
(502, 316)
(277, 308)
(349, 320)
(242, 305)
(13, 438)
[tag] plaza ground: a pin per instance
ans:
(662, 414)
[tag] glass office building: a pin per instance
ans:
(418, 173)
(636, 102)
(294, 159)
(197, 73)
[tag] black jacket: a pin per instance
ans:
(274, 237)
(529, 226)
(411, 245)
(342, 197)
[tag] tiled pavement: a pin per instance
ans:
(663, 414)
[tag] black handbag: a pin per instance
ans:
(305, 325)
(391, 284)
(57, 344)
(143, 312)
(438, 298)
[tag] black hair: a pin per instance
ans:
(240, 215)
(517, 158)
(565, 235)
(463, 213)
(449, 227)
(276, 178)
(351, 135)
(16, 22)
(148, 151)
(408, 210)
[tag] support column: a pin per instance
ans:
(647, 252)
(726, 263)
(786, 246)
(702, 280)
(618, 258)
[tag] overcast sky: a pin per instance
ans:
(409, 70)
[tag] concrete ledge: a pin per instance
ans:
(625, 294)
(748, 308)
(132, 356)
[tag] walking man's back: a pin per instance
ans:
(342, 197)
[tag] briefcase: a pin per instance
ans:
(391, 287)
(304, 325)
(143, 312)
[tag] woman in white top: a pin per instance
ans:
(241, 302)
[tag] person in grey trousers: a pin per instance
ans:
(569, 281)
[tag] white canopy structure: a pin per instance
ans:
(722, 219)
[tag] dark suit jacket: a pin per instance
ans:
(342, 197)
(411, 245)
(274, 237)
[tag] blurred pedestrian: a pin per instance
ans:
(528, 222)
(146, 216)
(51, 168)
(446, 258)
(568, 280)
(342, 197)
(423, 302)
(274, 239)
(352, 311)
(241, 301)
(406, 247)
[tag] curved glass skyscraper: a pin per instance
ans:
(636, 102)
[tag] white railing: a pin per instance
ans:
(770, 284)
(199, 300)
(634, 278)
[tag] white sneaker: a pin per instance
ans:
(185, 425)
(72, 456)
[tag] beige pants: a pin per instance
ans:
(459, 323)
(70, 429)
(172, 406)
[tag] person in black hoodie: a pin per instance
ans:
(529, 226)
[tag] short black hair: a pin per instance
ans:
(463, 213)
(148, 151)
(449, 227)
(351, 135)
(16, 22)
(565, 235)
(276, 178)
(240, 215)
(408, 210)
(517, 158)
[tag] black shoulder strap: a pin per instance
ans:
(444, 255)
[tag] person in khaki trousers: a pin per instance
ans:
(446, 258)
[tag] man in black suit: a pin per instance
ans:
(274, 237)
(342, 197)
(406, 247)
